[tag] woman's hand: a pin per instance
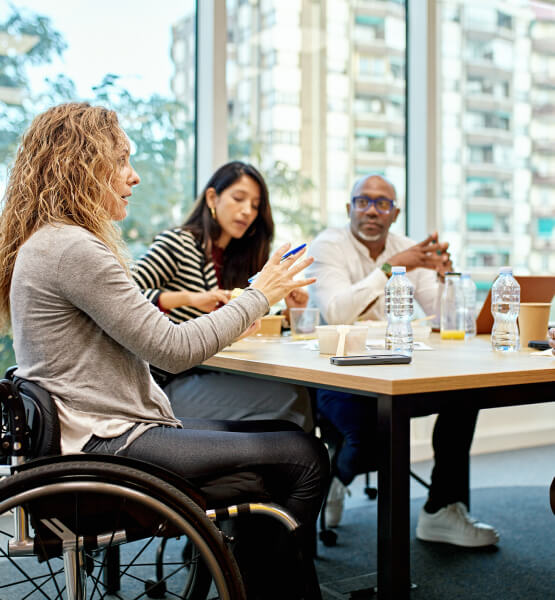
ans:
(297, 298)
(204, 301)
(275, 280)
(250, 330)
(209, 301)
(552, 339)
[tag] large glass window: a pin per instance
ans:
(497, 98)
(129, 56)
(316, 99)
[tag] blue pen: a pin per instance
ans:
(286, 255)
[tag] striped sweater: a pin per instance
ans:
(173, 263)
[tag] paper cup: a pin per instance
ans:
(270, 325)
(533, 321)
(355, 342)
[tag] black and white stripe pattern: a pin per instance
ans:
(175, 262)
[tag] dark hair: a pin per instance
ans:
(245, 256)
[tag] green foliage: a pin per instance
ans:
(160, 130)
(7, 357)
(47, 43)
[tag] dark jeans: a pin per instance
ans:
(355, 418)
(294, 467)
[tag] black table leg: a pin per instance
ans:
(393, 498)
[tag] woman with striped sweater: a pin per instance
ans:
(190, 270)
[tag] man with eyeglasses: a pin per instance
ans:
(352, 265)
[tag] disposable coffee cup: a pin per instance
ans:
(355, 340)
(533, 321)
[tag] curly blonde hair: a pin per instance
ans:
(63, 171)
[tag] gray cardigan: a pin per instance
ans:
(84, 331)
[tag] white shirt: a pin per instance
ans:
(348, 279)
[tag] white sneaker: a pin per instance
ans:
(334, 503)
(453, 525)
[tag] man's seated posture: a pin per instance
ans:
(352, 266)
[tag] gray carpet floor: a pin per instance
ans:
(521, 567)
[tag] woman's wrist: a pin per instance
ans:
(169, 300)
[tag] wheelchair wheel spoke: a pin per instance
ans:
(156, 542)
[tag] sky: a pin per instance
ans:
(126, 37)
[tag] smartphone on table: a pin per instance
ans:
(371, 359)
(539, 344)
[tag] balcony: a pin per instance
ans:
(375, 85)
(538, 179)
(486, 67)
(484, 30)
(488, 102)
(488, 169)
(497, 204)
(390, 124)
(543, 244)
(544, 79)
(476, 135)
(544, 46)
(544, 146)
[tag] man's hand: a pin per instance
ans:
(297, 298)
(428, 254)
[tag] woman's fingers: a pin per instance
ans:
(299, 266)
(275, 259)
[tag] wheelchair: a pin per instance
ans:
(88, 526)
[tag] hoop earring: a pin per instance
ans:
(213, 212)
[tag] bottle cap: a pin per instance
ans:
(398, 270)
(506, 271)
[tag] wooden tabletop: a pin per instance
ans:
(451, 365)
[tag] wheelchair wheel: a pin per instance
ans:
(81, 511)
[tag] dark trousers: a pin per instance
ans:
(355, 418)
(294, 467)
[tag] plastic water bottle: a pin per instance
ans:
(469, 292)
(505, 306)
(399, 308)
(452, 308)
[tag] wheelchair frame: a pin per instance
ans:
(142, 501)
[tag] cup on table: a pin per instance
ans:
(303, 323)
(270, 325)
(533, 321)
(355, 341)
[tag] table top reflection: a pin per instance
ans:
(449, 365)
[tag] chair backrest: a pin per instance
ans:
(41, 417)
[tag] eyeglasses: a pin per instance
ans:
(382, 204)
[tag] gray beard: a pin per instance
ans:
(369, 238)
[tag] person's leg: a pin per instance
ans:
(293, 464)
(451, 440)
(354, 417)
(210, 395)
(444, 517)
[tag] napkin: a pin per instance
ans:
(547, 352)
